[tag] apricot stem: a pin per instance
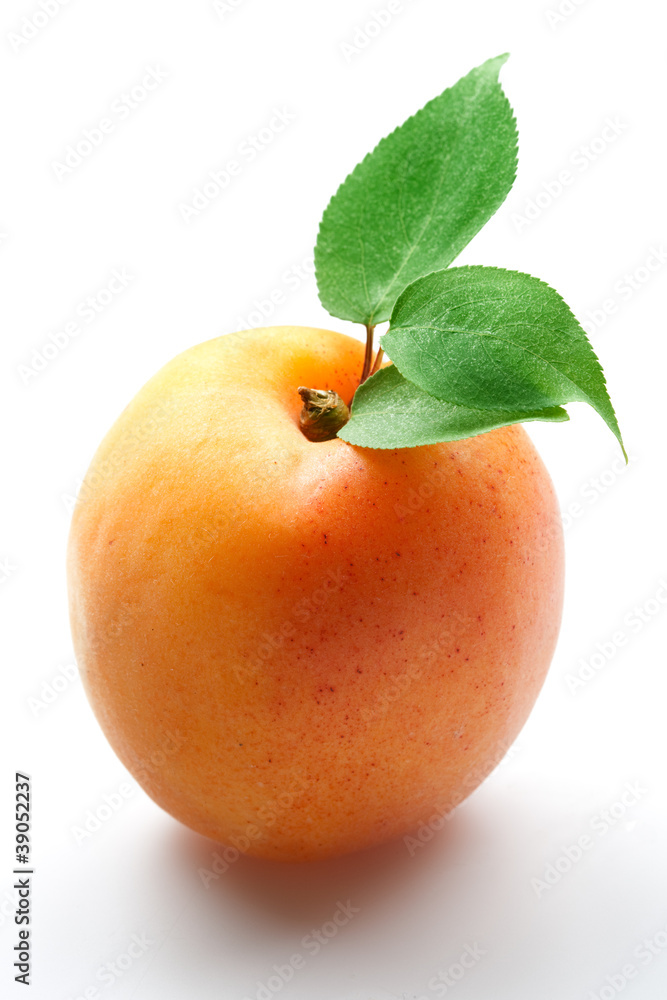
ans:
(378, 361)
(323, 413)
(368, 356)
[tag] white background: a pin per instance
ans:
(226, 72)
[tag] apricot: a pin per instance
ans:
(303, 648)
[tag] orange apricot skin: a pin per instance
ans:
(304, 649)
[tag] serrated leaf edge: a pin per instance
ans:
(501, 60)
(615, 429)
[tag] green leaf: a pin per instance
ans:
(390, 412)
(495, 340)
(414, 203)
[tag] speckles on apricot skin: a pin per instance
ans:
(369, 647)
